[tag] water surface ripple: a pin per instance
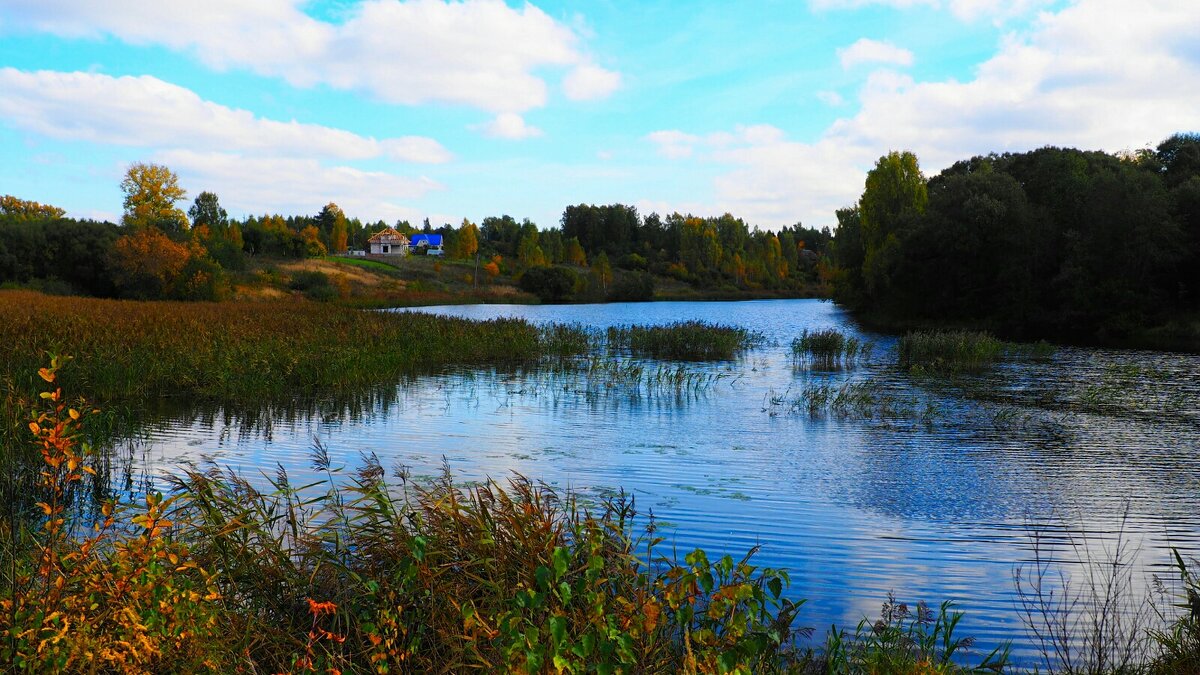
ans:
(936, 499)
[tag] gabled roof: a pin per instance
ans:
(427, 239)
(389, 233)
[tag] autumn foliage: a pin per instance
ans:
(148, 264)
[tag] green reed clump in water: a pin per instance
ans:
(829, 348)
(949, 351)
(684, 341)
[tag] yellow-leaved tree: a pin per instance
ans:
(151, 191)
(467, 242)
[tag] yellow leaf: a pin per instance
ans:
(74, 413)
(45, 507)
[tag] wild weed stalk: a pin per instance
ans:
(904, 641)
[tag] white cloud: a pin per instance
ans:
(1099, 74)
(673, 144)
(480, 53)
(510, 126)
(967, 10)
(831, 98)
(873, 51)
(296, 185)
(588, 82)
(148, 112)
(772, 180)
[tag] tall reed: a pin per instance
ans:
(829, 348)
(684, 341)
(949, 351)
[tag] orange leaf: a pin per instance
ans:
(33, 426)
(47, 374)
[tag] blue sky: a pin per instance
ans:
(772, 111)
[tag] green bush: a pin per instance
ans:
(550, 284)
(314, 284)
(632, 287)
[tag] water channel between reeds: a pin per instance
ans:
(859, 478)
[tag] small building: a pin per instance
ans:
(388, 242)
(432, 243)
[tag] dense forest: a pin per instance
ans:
(1055, 243)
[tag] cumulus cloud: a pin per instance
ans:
(1099, 74)
(509, 126)
(148, 112)
(873, 51)
(480, 53)
(297, 185)
(256, 165)
(589, 82)
(772, 180)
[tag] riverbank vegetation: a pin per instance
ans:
(1056, 244)
(241, 351)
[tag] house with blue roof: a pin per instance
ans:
(431, 243)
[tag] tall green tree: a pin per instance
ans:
(206, 210)
(894, 197)
(332, 225)
(151, 191)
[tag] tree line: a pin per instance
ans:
(1053, 243)
(159, 250)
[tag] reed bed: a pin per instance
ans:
(829, 349)
(684, 341)
(962, 351)
(949, 351)
(245, 351)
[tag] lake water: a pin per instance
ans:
(937, 497)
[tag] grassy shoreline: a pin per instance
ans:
(244, 350)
